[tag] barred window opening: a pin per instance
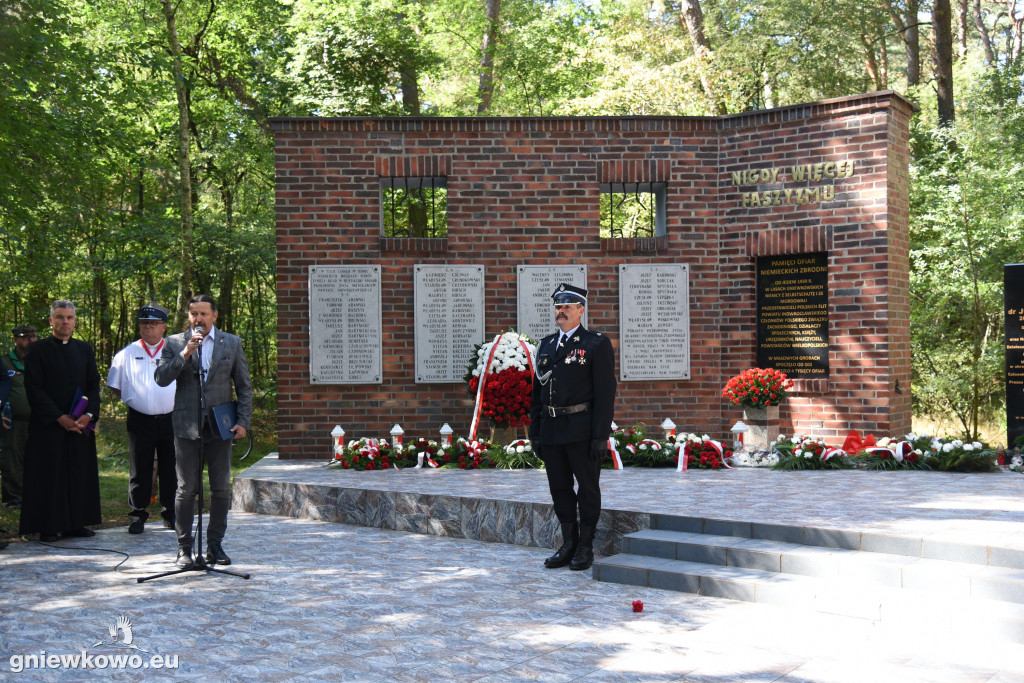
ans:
(414, 207)
(632, 210)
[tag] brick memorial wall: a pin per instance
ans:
(783, 189)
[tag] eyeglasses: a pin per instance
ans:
(151, 323)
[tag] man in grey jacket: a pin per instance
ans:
(217, 356)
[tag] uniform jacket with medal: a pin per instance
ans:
(582, 371)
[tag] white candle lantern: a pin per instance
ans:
(337, 439)
(738, 430)
(446, 434)
(396, 435)
(669, 426)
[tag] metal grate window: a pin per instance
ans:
(632, 210)
(414, 207)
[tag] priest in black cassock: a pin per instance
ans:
(61, 488)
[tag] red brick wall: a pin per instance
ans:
(525, 191)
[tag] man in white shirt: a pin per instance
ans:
(149, 419)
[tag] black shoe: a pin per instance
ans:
(47, 538)
(184, 558)
(584, 556)
(216, 555)
(168, 523)
(79, 533)
(137, 527)
(570, 539)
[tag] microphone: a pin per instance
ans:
(197, 330)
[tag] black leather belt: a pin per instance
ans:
(558, 411)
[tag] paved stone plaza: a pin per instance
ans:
(332, 602)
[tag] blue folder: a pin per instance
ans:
(224, 416)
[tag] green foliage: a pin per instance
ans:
(966, 208)
(89, 203)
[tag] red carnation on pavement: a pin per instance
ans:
(638, 606)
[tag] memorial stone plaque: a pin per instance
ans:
(536, 315)
(1013, 302)
(654, 321)
(449, 320)
(344, 325)
(792, 314)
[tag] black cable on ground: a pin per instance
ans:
(79, 547)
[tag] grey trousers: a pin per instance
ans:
(217, 453)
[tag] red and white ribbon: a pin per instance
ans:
(616, 460)
(681, 466)
(829, 452)
(480, 387)
(897, 450)
(717, 445)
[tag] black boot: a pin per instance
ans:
(584, 556)
(184, 559)
(570, 539)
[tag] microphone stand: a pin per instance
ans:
(199, 564)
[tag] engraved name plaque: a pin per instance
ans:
(654, 321)
(536, 314)
(344, 325)
(449, 320)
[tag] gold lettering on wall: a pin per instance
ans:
(819, 172)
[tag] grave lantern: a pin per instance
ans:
(446, 434)
(396, 435)
(337, 440)
(737, 435)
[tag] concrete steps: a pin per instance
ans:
(898, 581)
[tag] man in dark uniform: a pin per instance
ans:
(62, 488)
(570, 422)
(15, 435)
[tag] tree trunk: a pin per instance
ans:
(986, 40)
(184, 169)
(410, 90)
(407, 73)
(913, 42)
(226, 296)
(1015, 33)
(961, 28)
(486, 89)
(942, 24)
(693, 16)
(908, 30)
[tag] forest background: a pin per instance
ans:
(136, 161)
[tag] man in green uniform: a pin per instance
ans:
(15, 435)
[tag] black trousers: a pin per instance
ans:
(148, 434)
(563, 463)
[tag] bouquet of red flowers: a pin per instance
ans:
(505, 366)
(507, 397)
(703, 454)
(757, 388)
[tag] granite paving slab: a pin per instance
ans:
(942, 508)
(336, 602)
